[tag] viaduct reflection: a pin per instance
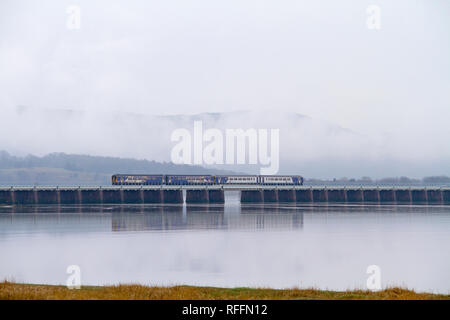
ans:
(131, 218)
(201, 217)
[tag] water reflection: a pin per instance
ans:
(206, 217)
(133, 218)
(273, 245)
(151, 218)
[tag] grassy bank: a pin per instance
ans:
(17, 291)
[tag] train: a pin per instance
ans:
(161, 179)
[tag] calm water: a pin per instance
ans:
(283, 246)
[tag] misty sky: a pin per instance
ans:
(316, 58)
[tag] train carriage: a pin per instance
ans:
(237, 180)
(135, 179)
(189, 180)
(281, 180)
(130, 179)
(298, 180)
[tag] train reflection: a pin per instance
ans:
(197, 217)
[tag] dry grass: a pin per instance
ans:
(15, 291)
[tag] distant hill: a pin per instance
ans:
(117, 133)
(67, 169)
(308, 145)
(60, 169)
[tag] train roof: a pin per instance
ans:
(193, 175)
(141, 174)
(160, 174)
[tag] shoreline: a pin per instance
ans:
(22, 291)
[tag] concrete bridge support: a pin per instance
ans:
(419, 196)
(286, 196)
(320, 195)
(47, 197)
(132, 196)
(24, 197)
(446, 196)
(216, 196)
(403, 195)
(252, 196)
(91, 196)
(112, 196)
(152, 196)
(270, 195)
(434, 196)
(172, 196)
(6, 197)
(387, 196)
(304, 196)
(69, 197)
(355, 195)
(337, 195)
(371, 196)
(197, 196)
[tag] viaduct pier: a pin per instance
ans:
(216, 194)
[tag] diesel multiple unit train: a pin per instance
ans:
(161, 179)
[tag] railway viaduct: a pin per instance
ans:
(216, 194)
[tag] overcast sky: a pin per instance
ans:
(316, 58)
